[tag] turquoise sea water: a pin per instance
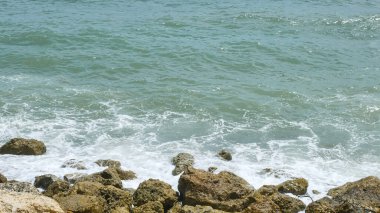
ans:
(289, 85)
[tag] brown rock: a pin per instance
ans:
(107, 177)
(199, 209)
(125, 174)
(108, 163)
(181, 162)
(17, 202)
(73, 177)
(224, 191)
(297, 186)
(3, 179)
(225, 155)
(150, 207)
(324, 205)
(81, 203)
(155, 190)
(21, 146)
(58, 186)
(44, 181)
(76, 164)
(16, 186)
(120, 210)
(288, 204)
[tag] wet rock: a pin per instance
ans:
(155, 190)
(150, 207)
(76, 164)
(125, 174)
(21, 146)
(16, 186)
(199, 209)
(73, 177)
(324, 205)
(108, 176)
(181, 162)
(11, 202)
(212, 169)
(297, 186)
(44, 181)
(58, 186)
(316, 192)
(3, 179)
(81, 203)
(108, 162)
(224, 191)
(225, 155)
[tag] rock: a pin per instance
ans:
(76, 164)
(150, 207)
(155, 190)
(44, 181)
(81, 203)
(125, 174)
(316, 192)
(176, 208)
(108, 162)
(17, 202)
(120, 210)
(297, 186)
(3, 179)
(224, 191)
(108, 176)
(21, 146)
(181, 162)
(199, 209)
(16, 186)
(73, 177)
(58, 186)
(288, 204)
(225, 155)
(212, 169)
(324, 205)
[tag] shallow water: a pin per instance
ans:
(288, 85)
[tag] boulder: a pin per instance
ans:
(297, 186)
(181, 162)
(73, 177)
(76, 164)
(359, 196)
(224, 191)
(58, 186)
(225, 155)
(108, 163)
(16, 186)
(21, 146)
(155, 190)
(44, 181)
(150, 207)
(3, 179)
(81, 203)
(125, 174)
(17, 202)
(199, 209)
(108, 176)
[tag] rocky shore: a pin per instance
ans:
(198, 191)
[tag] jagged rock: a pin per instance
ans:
(3, 179)
(108, 176)
(224, 191)
(17, 202)
(324, 205)
(108, 162)
(212, 169)
(81, 203)
(73, 177)
(73, 163)
(181, 162)
(297, 186)
(58, 186)
(225, 155)
(199, 209)
(44, 181)
(125, 174)
(155, 190)
(150, 207)
(21, 146)
(288, 204)
(16, 186)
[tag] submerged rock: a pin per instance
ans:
(359, 196)
(225, 155)
(155, 190)
(76, 164)
(3, 179)
(16, 186)
(150, 207)
(224, 191)
(21, 146)
(44, 181)
(11, 202)
(181, 162)
(108, 162)
(297, 186)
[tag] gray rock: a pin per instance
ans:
(3, 179)
(181, 162)
(72, 163)
(44, 181)
(73, 177)
(16, 186)
(225, 155)
(21, 146)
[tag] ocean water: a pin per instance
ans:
(290, 85)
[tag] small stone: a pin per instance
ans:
(108, 162)
(21, 146)
(72, 163)
(212, 169)
(44, 181)
(3, 179)
(224, 154)
(316, 192)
